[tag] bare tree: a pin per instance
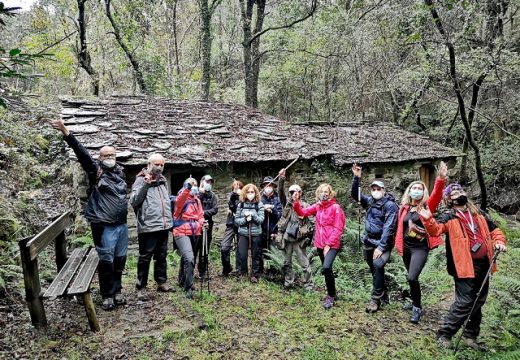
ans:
(82, 53)
(129, 54)
(467, 115)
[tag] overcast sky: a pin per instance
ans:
(24, 4)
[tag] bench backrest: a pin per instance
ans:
(50, 233)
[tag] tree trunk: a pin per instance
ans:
(135, 65)
(205, 17)
(83, 54)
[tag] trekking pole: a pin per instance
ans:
(277, 176)
(250, 251)
(493, 260)
(359, 216)
(207, 261)
(203, 253)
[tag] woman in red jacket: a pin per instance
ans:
(330, 222)
(188, 220)
(411, 240)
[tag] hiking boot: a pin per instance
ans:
(119, 299)
(164, 287)
(328, 302)
(416, 315)
(254, 279)
(444, 342)
(142, 295)
(472, 343)
(108, 304)
(407, 306)
(385, 299)
(372, 306)
(190, 293)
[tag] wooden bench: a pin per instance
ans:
(75, 273)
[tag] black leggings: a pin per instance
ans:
(414, 260)
(326, 264)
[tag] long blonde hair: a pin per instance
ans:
(406, 199)
(325, 186)
(245, 189)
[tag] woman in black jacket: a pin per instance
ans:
(231, 230)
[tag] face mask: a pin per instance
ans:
(377, 194)
(156, 171)
(324, 197)
(268, 190)
(460, 201)
(416, 194)
(250, 197)
(194, 191)
(208, 187)
(109, 163)
(238, 191)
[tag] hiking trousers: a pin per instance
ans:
(152, 244)
(111, 242)
(185, 248)
(293, 248)
(377, 268)
(465, 295)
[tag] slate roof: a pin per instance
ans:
(200, 133)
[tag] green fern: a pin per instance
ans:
(511, 355)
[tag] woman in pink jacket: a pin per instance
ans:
(330, 222)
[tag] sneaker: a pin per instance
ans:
(119, 299)
(108, 304)
(407, 306)
(142, 295)
(416, 315)
(328, 302)
(254, 279)
(444, 342)
(372, 306)
(164, 287)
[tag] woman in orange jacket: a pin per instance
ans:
(471, 238)
(411, 240)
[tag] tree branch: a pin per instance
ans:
(286, 26)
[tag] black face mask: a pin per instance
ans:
(460, 201)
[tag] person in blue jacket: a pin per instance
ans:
(378, 238)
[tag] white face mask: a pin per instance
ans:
(238, 191)
(109, 163)
(250, 197)
(268, 190)
(377, 194)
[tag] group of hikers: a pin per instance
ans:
(265, 216)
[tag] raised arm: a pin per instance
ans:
(355, 190)
(436, 195)
(139, 191)
(281, 188)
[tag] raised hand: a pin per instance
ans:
(424, 212)
(282, 173)
(443, 170)
(356, 170)
(60, 125)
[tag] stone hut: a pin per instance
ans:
(233, 141)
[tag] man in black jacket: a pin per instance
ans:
(209, 202)
(106, 211)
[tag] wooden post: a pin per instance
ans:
(61, 250)
(90, 309)
(31, 280)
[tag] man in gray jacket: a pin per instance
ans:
(151, 202)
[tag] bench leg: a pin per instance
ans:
(90, 309)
